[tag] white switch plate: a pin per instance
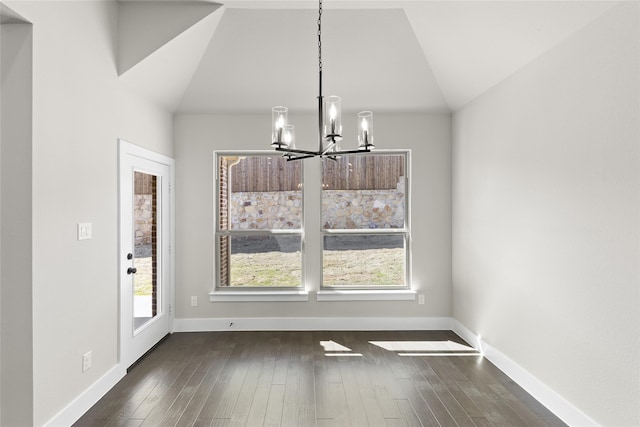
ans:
(420, 298)
(84, 230)
(194, 301)
(86, 361)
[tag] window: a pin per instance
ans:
(259, 222)
(362, 230)
(365, 224)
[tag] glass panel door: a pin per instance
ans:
(145, 251)
(145, 226)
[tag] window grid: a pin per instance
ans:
(369, 177)
(372, 171)
(226, 231)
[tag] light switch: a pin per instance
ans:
(86, 361)
(84, 230)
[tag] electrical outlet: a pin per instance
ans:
(420, 298)
(194, 301)
(84, 231)
(86, 361)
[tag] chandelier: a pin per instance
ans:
(329, 123)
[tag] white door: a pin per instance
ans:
(145, 250)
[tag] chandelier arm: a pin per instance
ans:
(296, 151)
(328, 147)
(339, 153)
(291, 158)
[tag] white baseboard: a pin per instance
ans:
(536, 388)
(81, 404)
(312, 324)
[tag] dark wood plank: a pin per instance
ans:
(372, 407)
(289, 415)
(440, 391)
(409, 416)
(337, 399)
(355, 405)
(273, 414)
(282, 361)
(448, 380)
(306, 395)
(217, 362)
(216, 393)
(420, 407)
(287, 379)
(434, 404)
(157, 405)
(323, 409)
(263, 386)
(484, 374)
(247, 392)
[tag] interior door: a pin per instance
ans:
(145, 250)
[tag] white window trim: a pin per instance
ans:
(328, 293)
(275, 295)
(367, 295)
(257, 296)
(255, 293)
(373, 293)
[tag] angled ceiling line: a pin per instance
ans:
(146, 26)
(164, 75)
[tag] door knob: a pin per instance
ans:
(132, 270)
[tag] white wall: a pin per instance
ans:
(16, 379)
(546, 218)
(196, 137)
(80, 109)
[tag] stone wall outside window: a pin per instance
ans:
(344, 209)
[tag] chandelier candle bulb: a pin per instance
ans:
(332, 120)
(279, 120)
(289, 136)
(365, 130)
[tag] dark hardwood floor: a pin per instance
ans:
(416, 378)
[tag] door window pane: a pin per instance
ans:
(145, 217)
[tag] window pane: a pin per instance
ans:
(261, 261)
(145, 216)
(364, 261)
(259, 193)
(363, 192)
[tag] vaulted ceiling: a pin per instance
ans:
(247, 56)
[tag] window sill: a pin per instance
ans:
(367, 295)
(257, 296)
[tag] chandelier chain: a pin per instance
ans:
(320, 36)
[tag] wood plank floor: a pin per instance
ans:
(416, 378)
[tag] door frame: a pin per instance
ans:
(128, 149)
